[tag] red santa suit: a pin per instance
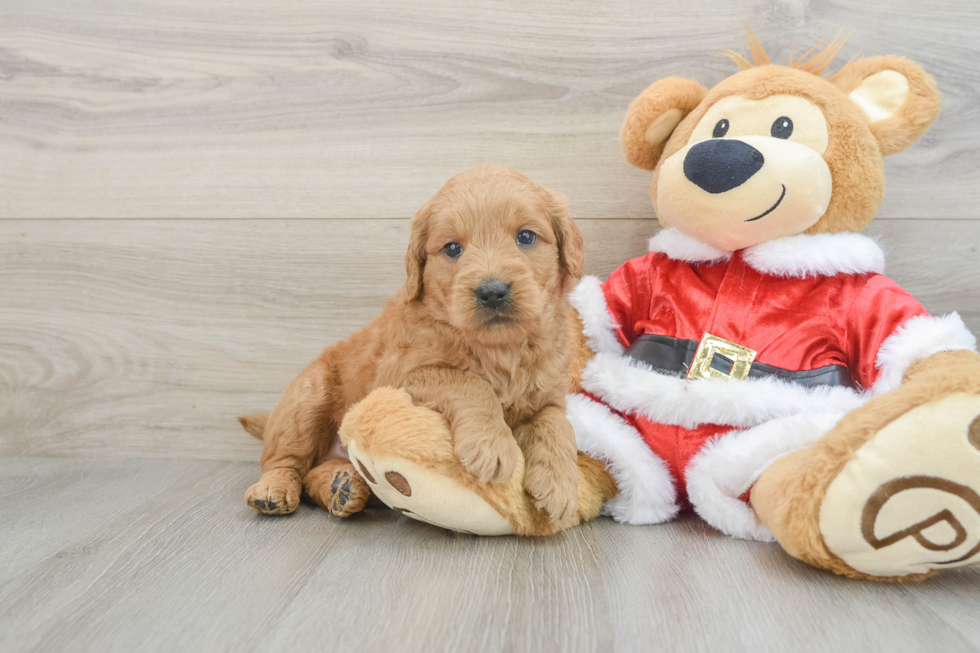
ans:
(827, 331)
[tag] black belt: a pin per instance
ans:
(674, 356)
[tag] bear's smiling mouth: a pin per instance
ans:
(771, 208)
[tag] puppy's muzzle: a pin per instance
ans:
(493, 295)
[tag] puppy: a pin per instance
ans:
(482, 332)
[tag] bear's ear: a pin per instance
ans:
(652, 117)
(899, 99)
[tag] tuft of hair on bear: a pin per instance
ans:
(804, 151)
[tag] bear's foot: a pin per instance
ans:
(892, 492)
(908, 502)
(405, 454)
(426, 495)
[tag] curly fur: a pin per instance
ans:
(500, 381)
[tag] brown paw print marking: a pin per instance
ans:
(893, 487)
(399, 482)
(365, 473)
(975, 433)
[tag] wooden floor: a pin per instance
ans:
(196, 196)
(133, 555)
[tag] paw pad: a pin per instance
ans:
(341, 489)
(266, 506)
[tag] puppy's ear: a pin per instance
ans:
(571, 245)
(899, 99)
(416, 254)
(653, 116)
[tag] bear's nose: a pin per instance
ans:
(721, 164)
(493, 294)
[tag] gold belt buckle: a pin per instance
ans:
(710, 345)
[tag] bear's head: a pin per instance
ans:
(775, 150)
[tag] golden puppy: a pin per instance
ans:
(482, 332)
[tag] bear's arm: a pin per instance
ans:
(887, 330)
(609, 311)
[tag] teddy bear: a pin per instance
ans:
(756, 365)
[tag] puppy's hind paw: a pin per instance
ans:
(276, 493)
(348, 494)
(336, 487)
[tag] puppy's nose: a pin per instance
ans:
(493, 294)
(721, 164)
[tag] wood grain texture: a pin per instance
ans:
(183, 565)
(145, 338)
(128, 346)
(334, 109)
(52, 504)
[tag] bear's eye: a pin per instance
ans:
(721, 128)
(453, 250)
(526, 238)
(782, 128)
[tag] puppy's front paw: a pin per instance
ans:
(490, 454)
(553, 489)
(276, 493)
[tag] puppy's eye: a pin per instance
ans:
(721, 128)
(526, 238)
(782, 128)
(453, 250)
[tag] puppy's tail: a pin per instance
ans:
(254, 424)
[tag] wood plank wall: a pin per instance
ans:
(195, 196)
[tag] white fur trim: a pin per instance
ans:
(799, 257)
(631, 387)
(728, 466)
(646, 490)
(679, 247)
(792, 257)
(597, 325)
(918, 339)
